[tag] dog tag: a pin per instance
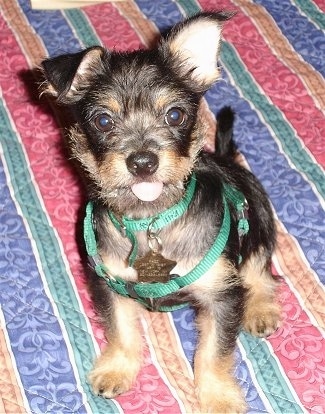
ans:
(153, 267)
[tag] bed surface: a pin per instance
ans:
(273, 60)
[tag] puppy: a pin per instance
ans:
(167, 223)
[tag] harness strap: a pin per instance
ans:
(146, 292)
(160, 220)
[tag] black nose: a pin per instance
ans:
(142, 163)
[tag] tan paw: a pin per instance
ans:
(113, 376)
(222, 399)
(262, 320)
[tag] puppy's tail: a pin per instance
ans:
(225, 146)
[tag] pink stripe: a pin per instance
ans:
(113, 30)
(284, 87)
(41, 138)
(42, 141)
(320, 4)
(300, 348)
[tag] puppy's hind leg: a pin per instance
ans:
(262, 313)
(116, 368)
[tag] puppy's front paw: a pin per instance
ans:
(262, 319)
(113, 375)
(217, 397)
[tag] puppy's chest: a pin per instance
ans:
(176, 242)
(175, 248)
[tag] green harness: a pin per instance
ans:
(145, 293)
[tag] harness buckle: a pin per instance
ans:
(148, 302)
(129, 287)
(123, 231)
(242, 217)
(95, 260)
(242, 210)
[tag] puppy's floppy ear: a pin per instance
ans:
(195, 45)
(68, 76)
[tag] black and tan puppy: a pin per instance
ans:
(167, 223)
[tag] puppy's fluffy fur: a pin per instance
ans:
(137, 122)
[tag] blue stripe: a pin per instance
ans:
(303, 35)
(46, 24)
(312, 11)
(52, 27)
(292, 196)
(34, 332)
(163, 13)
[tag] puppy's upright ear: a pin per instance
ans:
(195, 46)
(67, 77)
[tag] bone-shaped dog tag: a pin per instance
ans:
(153, 267)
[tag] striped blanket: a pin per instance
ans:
(273, 60)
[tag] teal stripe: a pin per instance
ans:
(83, 29)
(273, 116)
(312, 12)
(189, 7)
(52, 263)
(266, 371)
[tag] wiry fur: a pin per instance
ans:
(137, 89)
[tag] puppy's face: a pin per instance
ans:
(138, 130)
(137, 134)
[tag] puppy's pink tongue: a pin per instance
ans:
(147, 191)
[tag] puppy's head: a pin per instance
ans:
(137, 135)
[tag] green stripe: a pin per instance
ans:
(82, 27)
(274, 118)
(189, 7)
(52, 264)
(266, 371)
(312, 12)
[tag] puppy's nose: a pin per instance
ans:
(142, 163)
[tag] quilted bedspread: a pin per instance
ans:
(273, 62)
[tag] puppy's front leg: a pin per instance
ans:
(116, 368)
(216, 386)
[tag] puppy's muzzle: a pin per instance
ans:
(142, 163)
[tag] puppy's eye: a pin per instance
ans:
(175, 117)
(104, 123)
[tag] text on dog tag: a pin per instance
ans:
(153, 267)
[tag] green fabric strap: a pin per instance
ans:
(162, 219)
(238, 200)
(142, 292)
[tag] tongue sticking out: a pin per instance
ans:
(147, 191)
